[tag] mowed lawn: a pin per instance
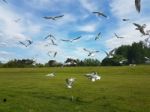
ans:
(121, 89)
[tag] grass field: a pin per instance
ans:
(121, 89)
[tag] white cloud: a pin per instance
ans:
(89, 5)
(88, 27)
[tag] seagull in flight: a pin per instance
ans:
(54, 53)
(26, 43)
(138, 5)
(53, 43)
(140, 28)
(93, 76)
(69, 82)
(117, 36)
(71, 40)
(90, 53)
(125, 19)
(100, 14)
(53, 18)
(110, 54)
(98, 36)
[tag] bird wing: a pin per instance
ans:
(138, 5)
(96, 12)
(53, 42)
(55, 54)
(77, 38)
(111, 52)
(98, 36)
(22, 43)
(102, 14)
(59, 16)
(86, 50)
(116, 35)
(29, 42)
(137, 25)
(49, 17)
(65, 40)
(142, 31)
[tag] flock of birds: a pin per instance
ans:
(53, 41)
(70, 81)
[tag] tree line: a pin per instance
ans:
(124, 55)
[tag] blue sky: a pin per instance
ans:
(78, 20)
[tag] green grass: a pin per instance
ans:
(121, 89)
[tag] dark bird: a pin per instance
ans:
(98, 36)
(110, 54)
(70, 61)
(140, 28)
(53, 43)
(50, 37)
(52, 52)
(100, 14)
(53, 18)
(71, 40)
(23, 43)
(117, 36)
(26, 43)
(29, 42)
(138, 5)
(125, 19)
(90, 53)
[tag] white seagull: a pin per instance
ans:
(110, 54)
(93, 76)
(69, 82)
(90, 53)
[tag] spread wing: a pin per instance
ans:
(138, 5)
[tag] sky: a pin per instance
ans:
(78, 21)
